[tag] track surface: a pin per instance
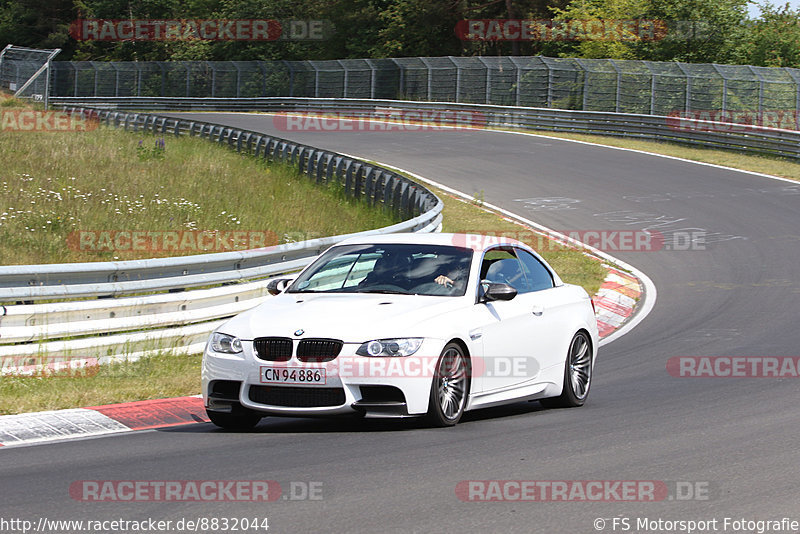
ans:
(739, 297)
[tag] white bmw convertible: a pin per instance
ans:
(402, 326)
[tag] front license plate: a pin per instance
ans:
(293, 375)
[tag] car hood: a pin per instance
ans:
(353, 318)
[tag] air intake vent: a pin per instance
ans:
(318, 350)
(273, 349)
(297, 397)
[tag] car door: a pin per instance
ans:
(548, 307)
(511, 332)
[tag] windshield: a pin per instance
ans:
(404, 269)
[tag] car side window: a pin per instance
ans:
(537, 274)
(501, 266)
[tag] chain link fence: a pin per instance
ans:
(25, 71)
(731, 93)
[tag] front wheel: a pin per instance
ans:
(450, 387)
(237, 420)
(577, 375)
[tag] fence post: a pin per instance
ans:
(316, 80)
(346, 81)
(585, 90)
(619, 85)
(796, 79)
(238, 79)
(724, 87)
(688, 104)
(488, 89)
(372, 78)
(95, 77)
(213, 79)
(458, 79)
(430, 76)
(760, 88)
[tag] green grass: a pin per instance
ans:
(572, 265)
(161, 376)
(59, 187)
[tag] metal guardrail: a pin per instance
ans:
(102, 329)
(376, 185)
(690, 131)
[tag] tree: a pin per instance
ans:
(773, 40)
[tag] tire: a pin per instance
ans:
(577, 375)
(240, 419)
(450, 387)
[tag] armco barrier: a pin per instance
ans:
(103, 329)
(703, 133)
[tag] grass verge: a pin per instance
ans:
(155, 377)
(79, 196)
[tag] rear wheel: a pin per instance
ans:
(241, 419)
(577, 375)
(450, 387)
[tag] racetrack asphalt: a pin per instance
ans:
(735, 437)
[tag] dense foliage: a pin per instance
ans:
(723, 32)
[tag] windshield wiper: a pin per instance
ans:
(382, 291)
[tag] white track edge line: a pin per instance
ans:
(649, 292)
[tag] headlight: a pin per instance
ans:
(224, 343)
(405, 346)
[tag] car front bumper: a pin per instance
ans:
(372, 386)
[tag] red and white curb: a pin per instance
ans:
(615, 301)
(38, 427)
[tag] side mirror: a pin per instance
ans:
(278, 285)
(491, 292)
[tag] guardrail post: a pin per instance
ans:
(303, 165)
(358, 177)
(351, 179)
(369, 184)
(319, 166)
(329, 167)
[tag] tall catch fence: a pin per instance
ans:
(734, 93)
